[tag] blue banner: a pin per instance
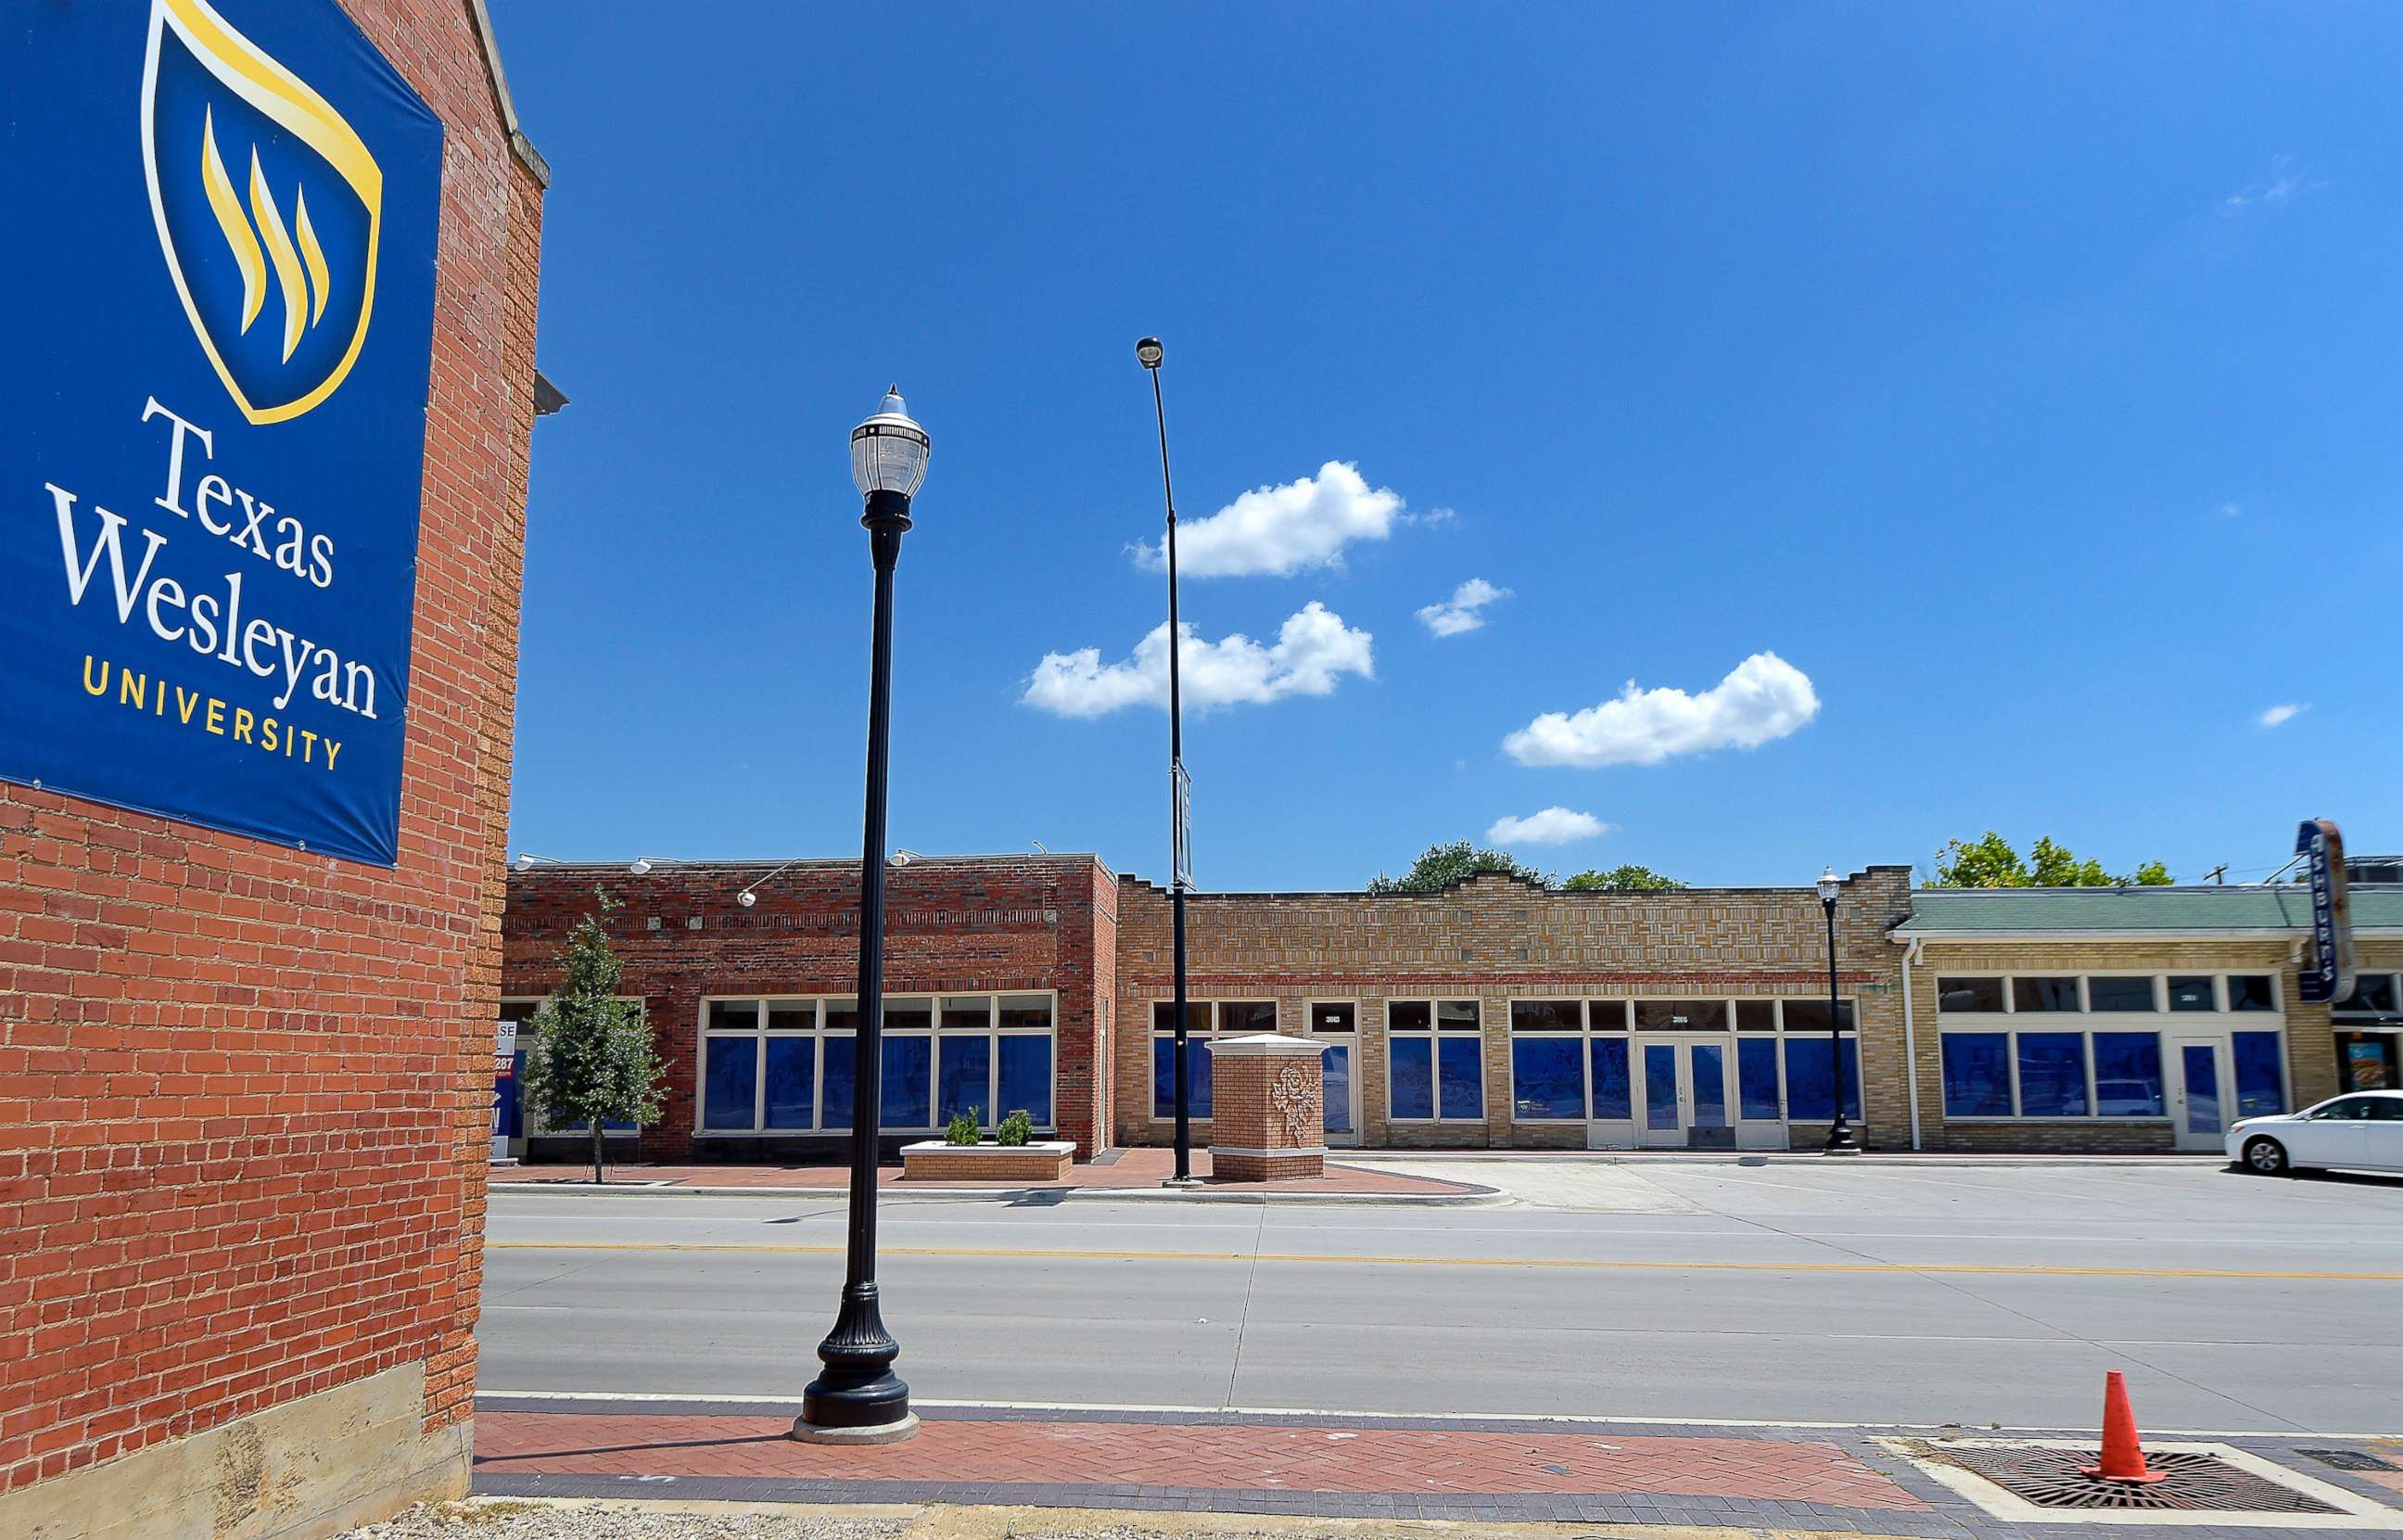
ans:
(214, 363)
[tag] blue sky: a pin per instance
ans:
(1984, 413)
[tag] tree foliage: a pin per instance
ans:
(1441, 866)
(1991, 862)
(595, 1061)
(1629, 878)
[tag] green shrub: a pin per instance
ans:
(964, 1127)
(1016, 1128)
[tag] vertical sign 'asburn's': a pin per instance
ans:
(213, 413)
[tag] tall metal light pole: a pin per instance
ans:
(858, 1398)
(1840, 1132)
(1148, 353)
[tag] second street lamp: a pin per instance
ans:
(1180, 789)
(1840, 1132)
(857, 1399)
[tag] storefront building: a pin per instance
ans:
(2132, 1018)
(1494, 1014)
(998, 974)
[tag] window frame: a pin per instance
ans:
(1435, 1034)
(935, 1033)
(1155, 1034)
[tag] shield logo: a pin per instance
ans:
(269, 208)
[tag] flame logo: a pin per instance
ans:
(206, 85)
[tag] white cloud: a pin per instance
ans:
(2285, 183)
(1458, 613)
(1552, 827)
(2279, 715)
(2230, 510)
(1286, 528)
(1313, 650)
(1763, 698)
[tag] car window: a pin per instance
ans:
(2386, 1109)
(2351, 1109)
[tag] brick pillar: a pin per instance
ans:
(1268, 1118)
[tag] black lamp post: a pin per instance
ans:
(1840, 1132)
(858, 1398)
(1148, 353)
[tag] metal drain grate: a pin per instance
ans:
(2350, 1460)
(2195, 1483)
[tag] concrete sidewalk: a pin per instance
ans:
(1345, 1466)
(1118, 1175)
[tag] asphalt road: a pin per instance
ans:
(1783, 1293)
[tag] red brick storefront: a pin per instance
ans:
(245, 1091)
(1005, 931)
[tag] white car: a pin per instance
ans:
(2360, 1130)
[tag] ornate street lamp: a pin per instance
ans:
(1147, 352)
(1840, 1132)
(858, 1398)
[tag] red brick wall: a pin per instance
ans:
(966, 926)
(245, 1092)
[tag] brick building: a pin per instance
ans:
(244, 1090)
(1490, 1015)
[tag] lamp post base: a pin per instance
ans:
(1840, 1140)
(1180, 1181)
(806, 1432)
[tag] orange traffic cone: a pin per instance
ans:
(2123, 1456)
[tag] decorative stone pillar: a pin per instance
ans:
(1266, 1109)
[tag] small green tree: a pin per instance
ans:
(1630, 878)
(593, 1058)
(1441, 866)
(1991, 862)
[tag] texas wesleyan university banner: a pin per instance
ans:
(214, 350)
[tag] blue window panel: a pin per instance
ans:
(838, 1091)
(1163, 1077)
(1709, 1063)
(966, 1083)
(1335, 1080)
(2260, 1088)
(2200, 1063)
(1810, 1079)
(1977, 1074)
(792, 1066)
(1412, 1071)
(1755, 1078)
(1611, 1095)
(2128, 1075)
(2053, 1074)
(1546, 1077)
(729, 1082)
(909, 1088)
(1659, 1086)
(1026, 1078)
(1462, 1063)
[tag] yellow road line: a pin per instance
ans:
(1577, 1264)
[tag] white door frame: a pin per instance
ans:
(2223, 1066)
(1350, 1043)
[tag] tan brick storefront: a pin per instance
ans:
(1495, 939)
(245, 1091)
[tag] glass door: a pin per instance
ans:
(1707, 1124)
(2199, 1111)
(1341, 1090)
(1661, 1123)
(1682, 1102)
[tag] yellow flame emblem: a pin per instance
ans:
(251, 219)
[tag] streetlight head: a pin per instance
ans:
(524, 862)
(746, 898)
(642, 864)
(888, 452)
(1830, 885)
(1146, 353)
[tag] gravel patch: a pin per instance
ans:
(502, 1520)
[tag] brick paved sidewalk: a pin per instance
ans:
(1126, 1171)
(1328, 1465)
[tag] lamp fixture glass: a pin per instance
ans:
(1148, 353)
(889, 450)
(1830, 885)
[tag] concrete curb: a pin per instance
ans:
(1473, 1198)
(1786, 1157)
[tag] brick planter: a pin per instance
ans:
(1267, 1104)
(933, 1160)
